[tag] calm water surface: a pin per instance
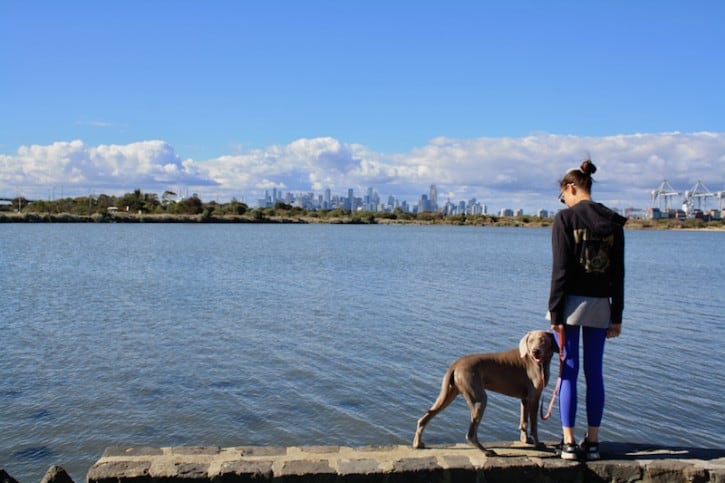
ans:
(228, 335)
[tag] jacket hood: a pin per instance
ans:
(598, 218)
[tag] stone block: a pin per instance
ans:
(416, 464)
(242, 471)
(459, 468)
(116, 451)
(191, 471)
(375, 449)
(613, 470)
(306, 467)
(306, 470)
(572, 474)
(457, 461)
(319, 449)
(195, 450)
(115, 471)
(261, 450)
(670, 471)
(6, 478)
(359, 467)
(56, 474)
(504, 469)
(416, 469)
(716, 475)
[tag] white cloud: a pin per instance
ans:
(501, 172)
(78, 168)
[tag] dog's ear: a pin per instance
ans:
(523, 345)
(554, 345)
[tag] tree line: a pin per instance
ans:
(130, 205)
(136, 202)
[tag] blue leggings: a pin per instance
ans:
(593, 358)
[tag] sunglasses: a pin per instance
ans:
(561, 193)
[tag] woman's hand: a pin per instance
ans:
(614, 331)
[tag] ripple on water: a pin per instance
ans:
(34, 453)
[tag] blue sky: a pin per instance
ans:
(229, 98)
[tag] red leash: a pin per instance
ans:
(562, 342)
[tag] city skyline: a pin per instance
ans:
(663, 199)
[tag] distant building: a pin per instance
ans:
(350, 202)
(433, 198)
(424, 204)
(653, 214)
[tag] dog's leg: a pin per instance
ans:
(532, 406)
(524, 423)
(447, 395)
(477, 405)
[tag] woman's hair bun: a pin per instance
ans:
(588, 167)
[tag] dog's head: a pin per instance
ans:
(540, 345)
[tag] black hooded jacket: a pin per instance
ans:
(588, 257)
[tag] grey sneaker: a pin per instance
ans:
(569, 451)
(590, 450)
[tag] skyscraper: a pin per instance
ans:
(433, 198)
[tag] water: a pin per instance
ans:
(229, 335)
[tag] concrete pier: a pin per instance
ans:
(621, 462)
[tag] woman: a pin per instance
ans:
(587, 298)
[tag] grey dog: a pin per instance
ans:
(521, 373)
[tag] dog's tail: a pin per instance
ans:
(447, 387)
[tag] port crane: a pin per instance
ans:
(699, 194)
(662, 196)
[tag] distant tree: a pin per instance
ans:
(192, 206)
(336, 213)
(281, 205)
(237, 208)
(258, 215)
(19, 203)
(151, 202)
(103, 202)
(168, 197)
(83, 205)
(430, 216)
(208, 211)
(402, 215)
(133, 202)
